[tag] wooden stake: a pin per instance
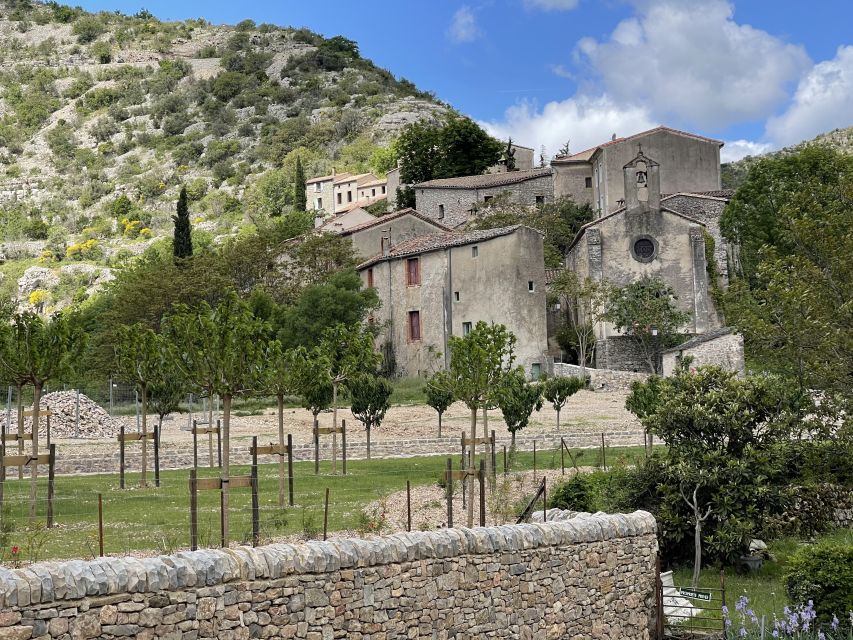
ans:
(195, 444)
(482, 477)
(534, 459)
(156, 455)
(544, 498)
(603, 453)
(256, 524)
(562, 457)
(219, 441)
(121, 458)
(316, 448)
(210, 444)
(100, 526)
(450, 493)
(290, 468)
(494, 457)
(408, 506)
(50, 484)
(344, 444)
(504, 459)
(326, 514)
(222, 517)
(193, 510)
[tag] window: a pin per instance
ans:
(531, 287)
(441, 212)
(540, 199)
(370, 278)
(413, 272)
(340, 198)
(414, 325)
(349, 196)
(466, 328)
(373, 192)
(587, 182)
(487, 198)
(383, 188)
(535, 370)
(644, 249)
(456, 296)
(317, 187)
(319, 203)
(475, 251)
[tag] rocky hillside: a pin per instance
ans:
(734, 173)
(104, 116)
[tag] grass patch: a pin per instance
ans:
(409, 391)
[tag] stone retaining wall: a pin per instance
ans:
(589, 576)
(179, 456)
(601, 379)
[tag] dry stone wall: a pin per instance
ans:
(601, 379)
(589, 576)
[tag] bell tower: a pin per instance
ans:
(642, 183)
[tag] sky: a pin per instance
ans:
(756, 74)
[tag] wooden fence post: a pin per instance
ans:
(156, 455)
(504, 459)
(344, 444)
(210, 444)
(222, 516)
(290, 468)
(193, 510)
(195, 444)
(603, 454)
(562, 457)
(482, 477)
(450, 493)
(256, 524)
(494, 457)
(659, 601)
(723, 597)
(219, 441)
(326, 515)
(51, 484)
(121, 457)
(534, 458)
(408, 506)
(100, 526)
(544, 498)
(316, 448)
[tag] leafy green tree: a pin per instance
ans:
(38, 350)
(558, 390)
(312, 380)
(141, 355)
(370, 400)
(182, 245)
(272, 194)
(517, 400)
(419, 149)
(466, 149)
(439, 394)
(478, 362)
(646, 311)
(166, 394)
(300, 201)
(221, 349)
(279, 377)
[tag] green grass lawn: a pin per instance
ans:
(158, 519)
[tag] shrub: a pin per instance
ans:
(576, 494)
(823, 574)
(102, 52)
(87, 29)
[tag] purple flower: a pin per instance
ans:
(835, 622)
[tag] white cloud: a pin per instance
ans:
(688, 60)
(736, 149)
(463, 26)
(823, 101)
(584, 120)
(551, 5)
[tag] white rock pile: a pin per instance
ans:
(95, 422)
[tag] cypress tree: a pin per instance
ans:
(299, 199)
(182, 245)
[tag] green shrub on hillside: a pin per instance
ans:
(822, 574)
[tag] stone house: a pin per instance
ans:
(452, 201)
(644, 238)
(522, 155)
(374, 235)
(340, 192)
(721, 347)
(690, 163)
(342, 221)
(440, 285)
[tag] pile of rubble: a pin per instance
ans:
(95, 422)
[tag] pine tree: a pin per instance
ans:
(182, 245)
(300, 201)
(509, 156)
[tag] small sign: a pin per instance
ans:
(695, 594)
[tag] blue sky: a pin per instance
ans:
(758, 74)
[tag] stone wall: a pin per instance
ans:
(724, 351)
(589, 576)
(601, 379)
(707, 210)
(620, 353)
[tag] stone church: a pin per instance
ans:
(645, 238)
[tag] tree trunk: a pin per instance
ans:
(335, 426)
(473, 451)
(368, 440)
(512, 440)
(486, 435)
(558, 420)
(280, 399)
(697, 554)
(439, 423)
(144, 482)
(35, 468)
(226, 461)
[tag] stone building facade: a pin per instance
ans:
(644, 239)
(340, 192)
(721, 347)
(452, 201)
(437, 286)
(371, 237)
(576, 575)
(690, 163)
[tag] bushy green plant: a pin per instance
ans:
(822, 574)
(576, 494)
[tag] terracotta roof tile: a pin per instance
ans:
(586, 154)
(487, 180)
(390, 217)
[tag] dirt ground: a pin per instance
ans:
(586, 412)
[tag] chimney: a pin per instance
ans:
(333, 173)
(613, 138)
